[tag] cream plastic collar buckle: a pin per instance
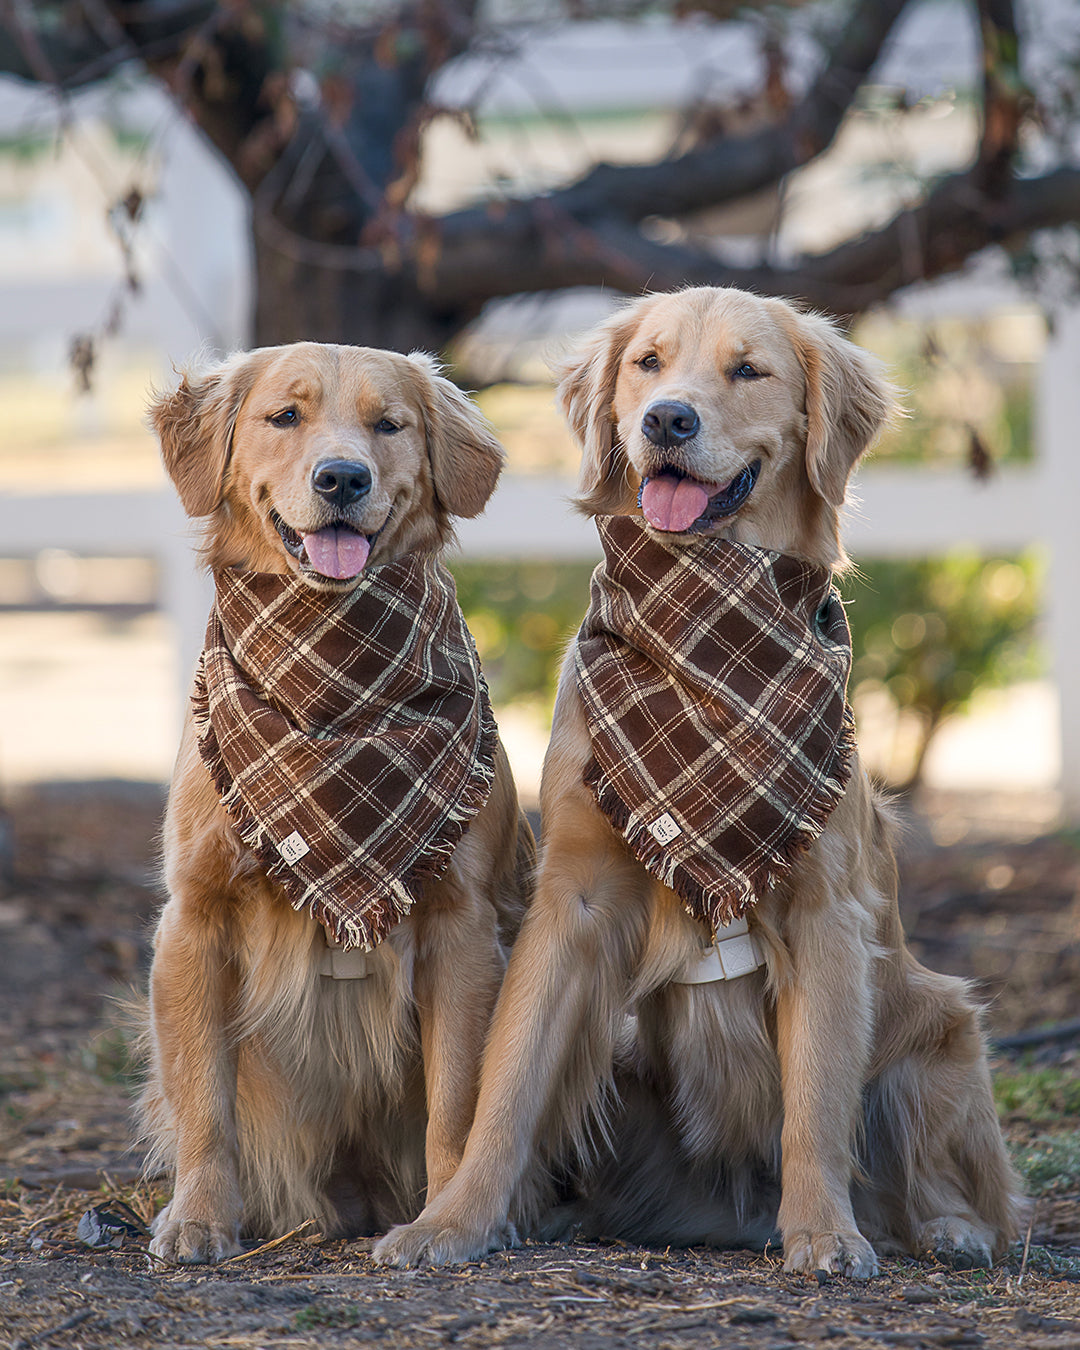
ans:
(338, 964)
(735, 952)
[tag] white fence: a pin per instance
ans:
(900, 512)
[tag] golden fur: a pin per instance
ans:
(840, 1094)
(276, 1094)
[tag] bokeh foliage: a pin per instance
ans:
(522, 615)
(967, 386)
(933, 632)
(929, 633)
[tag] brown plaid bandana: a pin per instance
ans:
(350, 736)
(713, 677)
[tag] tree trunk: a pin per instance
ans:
(300, 301)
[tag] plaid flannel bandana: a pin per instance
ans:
(349, 735)
(713, 677)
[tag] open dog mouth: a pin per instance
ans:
(337, 552)
(673, 502)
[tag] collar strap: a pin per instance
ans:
(338, 964)
(735, 952)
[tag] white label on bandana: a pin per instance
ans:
(293, 848)
(664, 829)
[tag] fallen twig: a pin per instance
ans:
(1063, 1031)
(1027, 1246)
(269, 1246)
(75, 1320)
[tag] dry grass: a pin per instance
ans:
(76, 930)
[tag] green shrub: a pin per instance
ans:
(522, 616)
(1042, 1094)
(933, 632)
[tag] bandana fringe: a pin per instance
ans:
(619, 645)
(697, 899)
(349, 925)
(700, 902)
(652, 856)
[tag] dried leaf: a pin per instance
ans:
(980, 460)
(81, 356)
(101, 1226)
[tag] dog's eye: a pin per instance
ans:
(650, 362)
(287, 417)
(386, 426)
(747, 372)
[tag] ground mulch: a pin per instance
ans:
(76, 907)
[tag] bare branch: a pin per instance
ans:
(467, 266)
(72, 53)
(1005, 98)
(735, 166)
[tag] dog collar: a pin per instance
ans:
(735, 952)
(338, 964)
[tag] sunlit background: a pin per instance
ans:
(123, 252)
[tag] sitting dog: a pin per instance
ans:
(344, 853)
(711, 995)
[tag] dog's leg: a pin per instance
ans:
(194, 1072)
(552, 1036)
(962, 1192)
(939, 1179)
(824, 1030)
(456, 981)
(977, 1231)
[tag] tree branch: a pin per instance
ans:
(956, 221)
(1004, 96)
(736, 166)
(70, 54)
(466, 266)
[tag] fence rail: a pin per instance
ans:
(897, 512)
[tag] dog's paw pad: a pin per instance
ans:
(430, 1244)
(193, 1242)
(819, 1254)
(957, 1243)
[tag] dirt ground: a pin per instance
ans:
(1003, 907)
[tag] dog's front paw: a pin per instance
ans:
(191, 1241)
(429, 1242)
(957, 1243)
(846, 1253)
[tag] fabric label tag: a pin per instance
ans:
(293, 848)
(664, 829)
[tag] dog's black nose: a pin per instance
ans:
(341, 481)
(667, 424)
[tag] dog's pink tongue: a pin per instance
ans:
(337, 553)
(672, 503)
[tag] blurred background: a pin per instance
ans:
(486, 179)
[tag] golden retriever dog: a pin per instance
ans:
(277, 1091)
(836, 1097)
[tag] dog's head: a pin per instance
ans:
(313, 458)
(723, 413)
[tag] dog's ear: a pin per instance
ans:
(466, 459)
(584, 394)
(195, 425)
(848, 400)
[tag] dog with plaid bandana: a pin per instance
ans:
(711, 1030)
(344, 853)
